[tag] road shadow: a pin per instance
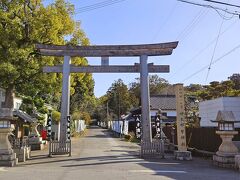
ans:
(56, 159)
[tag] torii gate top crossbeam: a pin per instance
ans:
(108, 50)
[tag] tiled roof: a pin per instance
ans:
(163, 102)
(24, 116)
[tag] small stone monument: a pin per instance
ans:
(7, 155)
(227, 150)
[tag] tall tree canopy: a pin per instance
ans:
(23, 23)
(156, 85)
(118, 98)
(216, 89)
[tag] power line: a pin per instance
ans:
(97, 6)
(205, 48)
(214, 50)
(191, 25)
(214, 62)
(217, 9)
(166, 20)
(227, 4)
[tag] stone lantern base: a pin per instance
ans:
(225, 156)
(7, 156)
(224, 161)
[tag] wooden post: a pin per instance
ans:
(144, 81)
(65, 98)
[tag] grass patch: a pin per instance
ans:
(131, 137)
(79, 134)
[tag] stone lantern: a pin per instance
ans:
(227, 150)
(7, 156)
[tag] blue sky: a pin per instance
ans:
(157, 21)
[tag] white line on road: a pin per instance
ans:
(160, 163)
(155, 171)
(2, 169)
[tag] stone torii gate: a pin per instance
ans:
(106, 51)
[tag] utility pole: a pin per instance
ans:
(107, 111)
(119, 110)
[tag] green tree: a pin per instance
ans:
(156, 85)
(235, 78)
(100, 111)
(22, 25)
(56, 116)
(118, 98)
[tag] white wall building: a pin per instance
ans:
(167, 103)
(208, 110)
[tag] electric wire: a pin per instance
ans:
(217, 9)
(190, 27)
(214, 62)
(214, 50)
(203, 49)
(223, 3)
(169, 16)
(97, 6)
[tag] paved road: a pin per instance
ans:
(98, 156)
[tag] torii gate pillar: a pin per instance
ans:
(62, 136)
(145, 96)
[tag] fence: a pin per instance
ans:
(204, 139)
(59, 147)
(120, 127)
(155, 148)
(19, 143)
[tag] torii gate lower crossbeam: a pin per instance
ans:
(98, 51)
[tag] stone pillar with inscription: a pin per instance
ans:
(181, 153)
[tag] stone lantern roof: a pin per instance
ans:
(225, 116)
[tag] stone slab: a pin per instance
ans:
(8, 163)
(37, 146)
(7, 157)
(21, 154)
(237, 162)
(224, 159)
(6, 151)
(183, 155)
(8, 160)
